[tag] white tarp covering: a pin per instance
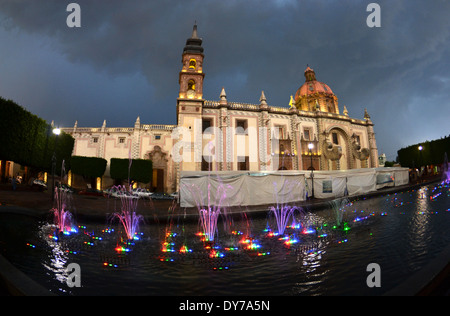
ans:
(362, 182)
(329, 184)
(394, 176)
(245, 188)
(224, 189)
(401, 176)
(326, 185)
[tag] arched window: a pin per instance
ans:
(191, 85)
(192, 64)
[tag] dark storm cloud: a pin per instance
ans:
(399, 72)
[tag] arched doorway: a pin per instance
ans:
(338, 138)
(159, 164)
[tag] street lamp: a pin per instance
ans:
(421, 161)
(310, 147)
(56, 131)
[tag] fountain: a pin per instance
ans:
(282, 216)
(127, 214)
(63, 219)
(338, 207)
(248, 258)
(209, 213)
(282, 211)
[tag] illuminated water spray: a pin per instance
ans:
(209, 211)
(338, 207)
(210, 214)
(283, 215)
(63, 219)
(127, 216)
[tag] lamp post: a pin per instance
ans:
(310, 147)
(421, 161)
(56, 132)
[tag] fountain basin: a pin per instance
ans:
(403, 232)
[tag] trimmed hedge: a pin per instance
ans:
(141, 170)
(89, 167)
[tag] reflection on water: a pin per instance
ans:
(312, 253)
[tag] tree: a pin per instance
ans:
(28, 140)
(432, 153)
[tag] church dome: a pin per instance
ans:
(312, 86)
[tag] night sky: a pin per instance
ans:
(123, 62)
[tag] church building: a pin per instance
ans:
(219, 135)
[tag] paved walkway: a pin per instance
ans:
(81, 205)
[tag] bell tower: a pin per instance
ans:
(190, 97)
(190, 104)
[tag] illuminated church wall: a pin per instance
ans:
(223, 135)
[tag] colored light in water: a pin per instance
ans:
(121, 249)
(168, 247)
(253, 246)
(216, 254)
(291, 241)
(307, 231)
(185, 249)
(294, 226)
